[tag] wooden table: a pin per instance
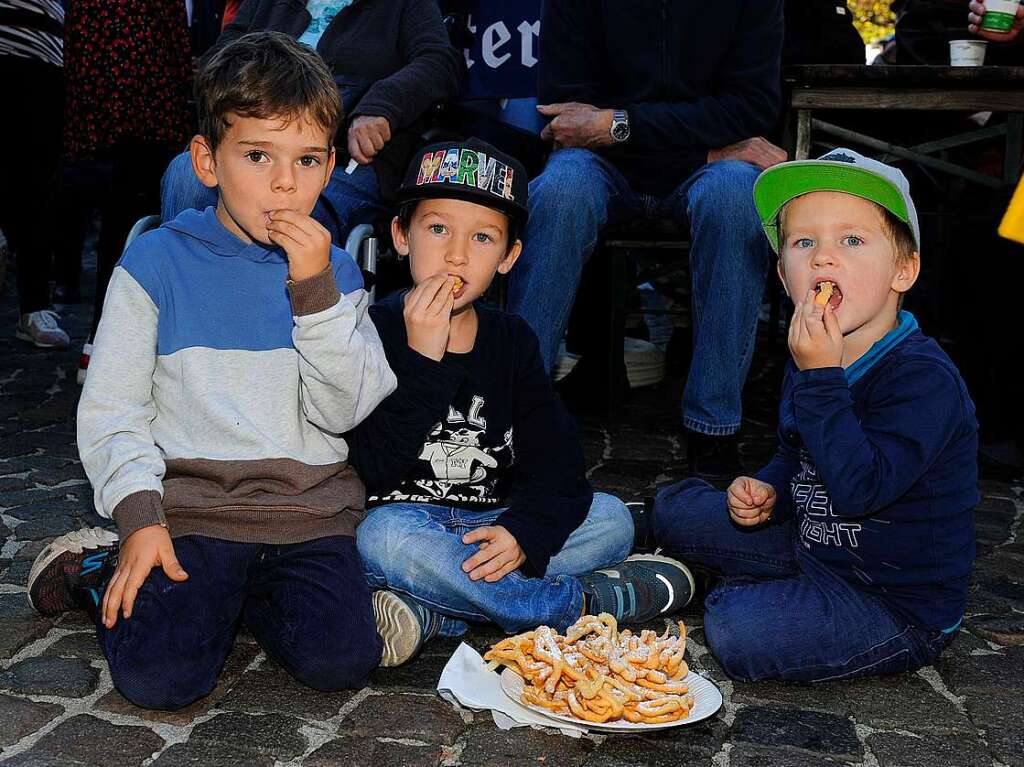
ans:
(919, 88)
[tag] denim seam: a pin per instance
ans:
(694, 424)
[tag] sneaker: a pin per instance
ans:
(640, 589)
(71, 572)
(41, 329)
(403, 624)
(642, 513)
(83, 364)
(716, 460)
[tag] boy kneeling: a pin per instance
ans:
(848, 554)
(234, 350)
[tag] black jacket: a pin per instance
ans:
(480, 430)
(693, 76)
(390, 58)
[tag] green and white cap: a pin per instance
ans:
(840, 170)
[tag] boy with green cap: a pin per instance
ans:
(849, 553)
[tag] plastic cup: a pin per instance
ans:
(999, 15)
(967, 53)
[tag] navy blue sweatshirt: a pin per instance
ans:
(692, 76)
(481, 430)
(879, 465)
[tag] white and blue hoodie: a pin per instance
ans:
(218, 390)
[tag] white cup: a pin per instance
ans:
(967, 53)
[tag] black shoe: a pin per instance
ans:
(643, 524)
(638, 590)
(716, 460)
(72, 571)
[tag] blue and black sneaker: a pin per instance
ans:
(72, 571)
(640, 589)
(404, 626)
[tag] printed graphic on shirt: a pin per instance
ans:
(457, 465)
(818, 524)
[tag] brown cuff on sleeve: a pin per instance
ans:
(314, 294)
(138, 510)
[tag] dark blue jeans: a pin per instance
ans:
(348, 200)
(307, 604)
(780, 613)
(580, 192)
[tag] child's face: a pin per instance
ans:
(264, 165)
(836, 237)
(460, 239)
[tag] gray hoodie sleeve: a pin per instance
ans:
(115, 442)
(343, 371)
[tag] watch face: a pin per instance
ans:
(620, 131)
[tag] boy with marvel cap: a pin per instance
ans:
(849, 553)
(482, 508)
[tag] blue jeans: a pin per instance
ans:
(781, 614)
(417, 549)
(572, 201)
(347, 201)
(307, 604)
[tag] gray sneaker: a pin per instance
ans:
(639, 589)
(403, 624)
(42, 330)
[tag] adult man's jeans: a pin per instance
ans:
(781, 613)
(572, 201)
(348, 200)
(307, 604)
(417, 549)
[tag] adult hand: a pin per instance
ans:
(750, 501)
(974, 22)
(815, 339)
(367, 135)
(428, 315)
(306, 243)
(498, 555)
(756, 151)
(141, 551)
(577, 125)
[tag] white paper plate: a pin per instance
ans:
(707, 699)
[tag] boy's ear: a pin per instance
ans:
(506, 264)
(782, 274)
(203, 163)
(399, 237)
(332, 158)
(907, 273)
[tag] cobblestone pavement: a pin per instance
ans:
(57, 705)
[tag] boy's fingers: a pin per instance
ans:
(480, 534)
(172, 567)
(480, 557)
(505, 570)
(112, 598)
(832, 325)
(131, 589)
(490, 567)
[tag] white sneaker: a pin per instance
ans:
(83, 364)
(41, 329)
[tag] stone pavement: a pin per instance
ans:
(57, 706)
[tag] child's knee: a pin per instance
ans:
(341, 665)
(168, 687)
(615, 524)
(678, 507)
(741, 647)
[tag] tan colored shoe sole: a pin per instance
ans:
(398, 628)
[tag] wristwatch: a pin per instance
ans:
(620, 126)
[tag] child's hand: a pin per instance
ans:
(306, 243)
(498, 555)
(750, 501)
(428, 315)
(815, 339)
(143, 550)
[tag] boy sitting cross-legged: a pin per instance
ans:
(482, 511)
(234, 351)
(849, 553)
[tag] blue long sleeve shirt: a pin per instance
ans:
(878, 463)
